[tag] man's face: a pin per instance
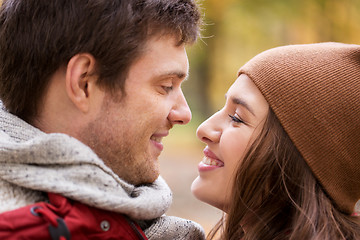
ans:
(127, 132)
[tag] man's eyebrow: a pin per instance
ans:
(178, 74)
(239, 101)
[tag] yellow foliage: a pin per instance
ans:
(240, 29)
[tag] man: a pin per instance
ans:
(104, 74)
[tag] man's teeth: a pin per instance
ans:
(212, 162)
(156, 139)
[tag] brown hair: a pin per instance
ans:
(39, 36)
(276, 196)
(314, 91)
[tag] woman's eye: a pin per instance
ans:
(236, 119)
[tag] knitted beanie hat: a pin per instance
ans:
(314, 90)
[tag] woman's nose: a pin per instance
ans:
(210, 130)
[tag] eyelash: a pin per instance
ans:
(236, 119)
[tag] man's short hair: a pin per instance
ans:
(37, 37)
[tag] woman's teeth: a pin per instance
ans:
(212, 162)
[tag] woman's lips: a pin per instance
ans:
(210, 161)
(208, 153)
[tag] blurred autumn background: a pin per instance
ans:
(234, 32)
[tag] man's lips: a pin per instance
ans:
(156, 138)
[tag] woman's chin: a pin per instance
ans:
(206, 194)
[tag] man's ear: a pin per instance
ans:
(80, 80)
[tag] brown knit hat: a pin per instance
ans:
(314, 90)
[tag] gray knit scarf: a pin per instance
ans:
(33, 162)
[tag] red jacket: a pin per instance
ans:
(64, 219)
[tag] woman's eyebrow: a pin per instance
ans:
(239, 101)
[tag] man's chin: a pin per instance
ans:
(144, 180)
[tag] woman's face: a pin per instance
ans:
(228, 134)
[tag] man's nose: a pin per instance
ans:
(180, 113)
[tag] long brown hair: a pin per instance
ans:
(276, 196)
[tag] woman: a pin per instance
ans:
(283, 156)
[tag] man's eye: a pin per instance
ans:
(167, 88)
(236, 119)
